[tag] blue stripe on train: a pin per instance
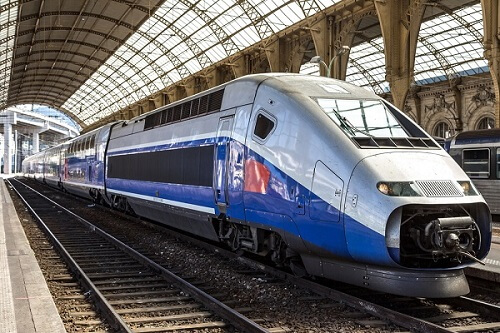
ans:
(285, 206)
(193, 195)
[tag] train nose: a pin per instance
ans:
(409, 209)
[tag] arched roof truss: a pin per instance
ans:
(454, 39)
(94, 58)
(183, 37)
(449, 46)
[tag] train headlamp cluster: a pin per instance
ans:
(410, 189)
(467, 188)
(399, 189)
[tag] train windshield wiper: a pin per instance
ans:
(343, 123)
(355, 129)
(348, 126)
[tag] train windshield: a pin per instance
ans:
(365, 118)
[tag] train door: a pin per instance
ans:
(326, 202)
(224, 130)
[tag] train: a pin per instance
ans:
(314, 174)
(478, 153)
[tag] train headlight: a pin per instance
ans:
(384, 188)
(467, 188)
(399, 189)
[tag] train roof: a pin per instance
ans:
(312, 85)
(292, 83)
(478, 136)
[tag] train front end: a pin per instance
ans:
(418, 213)
(412, 218)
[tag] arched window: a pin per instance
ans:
(485, 123)
(442, 130)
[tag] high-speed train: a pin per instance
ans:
(314, 173)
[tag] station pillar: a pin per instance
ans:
(8, 144)
(36, 142)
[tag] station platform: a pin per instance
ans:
(490, 271)
(26, 304)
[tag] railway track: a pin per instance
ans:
(461, 314)
(420, 315)
(133, 293)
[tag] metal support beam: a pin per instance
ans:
(491, 20)
(275, 52)
(332, 41)
(239, 66)
(400, 22)
(319, 32)
(213, 77)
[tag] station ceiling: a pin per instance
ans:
(92, 58)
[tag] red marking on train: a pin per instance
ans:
(256, 176)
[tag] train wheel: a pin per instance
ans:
(297, 267)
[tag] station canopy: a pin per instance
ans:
(91, 58)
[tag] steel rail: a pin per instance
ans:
(484, 308)
(235, 318)
(395, 317)
(102, 304)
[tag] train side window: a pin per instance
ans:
(264, 125)
(498, 163)
(476, 162)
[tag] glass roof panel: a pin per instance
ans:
(216, 53)
(139, 42)
(169, 39)
(185, 29)
(138, 61)
(234, 20)
(6, 52)
(174, 76)
(182, 52)
(189, 23)
(214, 9)
(262, 6)
(286, 16)
(308, 68)
(204, 38)
(193, 65)
(455, 48)
(153, 27)
(246, 37)
(357, 78)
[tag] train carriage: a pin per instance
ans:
(478, 153)
(33, 166)
(53, 162)
(83, 158)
